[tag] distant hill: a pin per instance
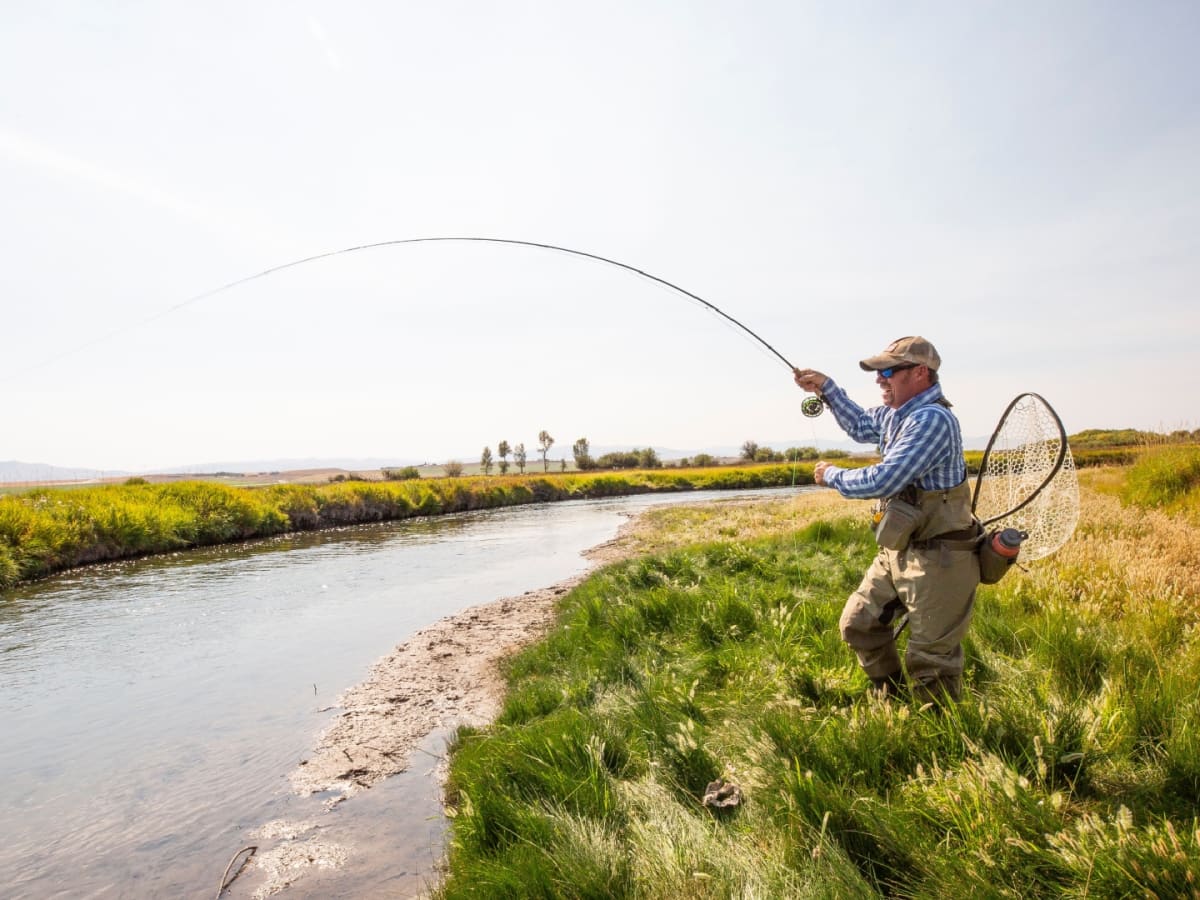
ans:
(14, 470)
(292, 464)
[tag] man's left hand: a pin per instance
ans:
(819, 472)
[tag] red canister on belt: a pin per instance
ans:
(998, 553)
(1008, 542)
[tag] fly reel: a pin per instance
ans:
(812, 406)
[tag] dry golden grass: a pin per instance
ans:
(1125, 557)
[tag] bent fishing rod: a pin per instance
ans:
(811, 406)
(487, 240)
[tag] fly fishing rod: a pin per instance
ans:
(811, 406)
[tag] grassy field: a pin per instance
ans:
(1071, 769)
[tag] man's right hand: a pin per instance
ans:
(810, 379)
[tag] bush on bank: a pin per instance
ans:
(48, 530)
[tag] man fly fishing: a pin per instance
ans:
(926, 566)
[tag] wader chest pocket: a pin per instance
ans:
(895, 523)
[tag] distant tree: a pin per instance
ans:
(583, 458)
(632, 459)
(620, 459)
(502, 449)
(485, 461)
(453, 468)
(648, 459)
(546, 443)
(749, 449)
(702, 460)
(519, 457)
(766, 454)
(563, 463)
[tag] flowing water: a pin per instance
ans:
(150, 711)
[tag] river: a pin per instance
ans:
(151, 710)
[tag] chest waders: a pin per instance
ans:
(942, 521)
(927, 578)
(922, 519)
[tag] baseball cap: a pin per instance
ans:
(914, 350)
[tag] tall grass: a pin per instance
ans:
(47, 530)
(1168, 478)
(1071, 769)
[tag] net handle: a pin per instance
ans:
(1062, 454)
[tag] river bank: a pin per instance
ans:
(445, 675)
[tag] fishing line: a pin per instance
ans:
(424, 240)
(795, 472)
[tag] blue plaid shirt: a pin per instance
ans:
(919, 443)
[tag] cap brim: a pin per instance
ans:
(882, 361)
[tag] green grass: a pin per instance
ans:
(1071, 769)
(1167, 478)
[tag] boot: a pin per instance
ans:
(890, 687)
(942, 691)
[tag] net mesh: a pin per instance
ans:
(1024, 452)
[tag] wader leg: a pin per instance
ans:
(867, 619)
(938, 586)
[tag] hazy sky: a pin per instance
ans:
(1017, 181)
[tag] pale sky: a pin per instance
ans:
(1019, 182)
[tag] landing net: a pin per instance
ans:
(1027, 479)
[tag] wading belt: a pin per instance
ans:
(963, 539)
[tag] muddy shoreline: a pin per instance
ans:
(443, 676)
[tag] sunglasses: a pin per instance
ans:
(892, 370)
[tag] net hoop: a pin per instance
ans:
(1027, 478)
(987, 453)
